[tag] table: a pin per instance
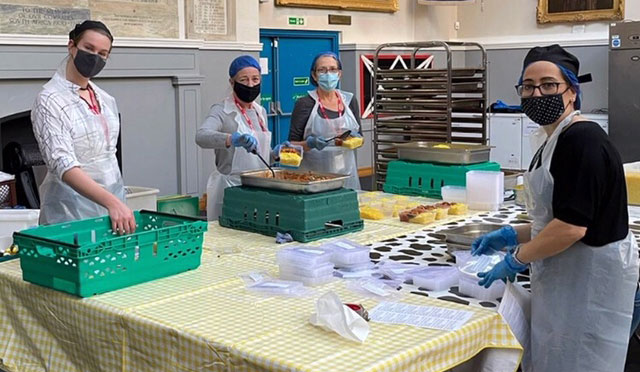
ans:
(204, 320)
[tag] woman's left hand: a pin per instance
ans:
(505, 269)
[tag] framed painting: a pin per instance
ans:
(388, 6)
(579, 10)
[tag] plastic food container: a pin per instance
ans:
(357, 267)
(291, 156)
(277, 287)
(321, 270)
(396, 270)
(454, 194)
(346, 252)
(138, 198)
(303, 256)
(12, 220)
(485, 190)
(468, 283)
(309, 281)
(435, 278)
(352, 142)
(632, 178)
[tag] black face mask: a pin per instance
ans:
(543, 110)
(246, 93)
(88, 64)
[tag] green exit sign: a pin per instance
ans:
(296, 21)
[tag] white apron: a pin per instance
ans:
(242, 159)
(332, 159)
(96, 152)
(581, 298)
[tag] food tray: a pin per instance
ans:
(456, 154)
(263, 179)
(465, 235)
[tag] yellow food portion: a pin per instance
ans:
(290, 159)
(441, 146)
(352, 142)
(633, 187)
(369, 213)
(424, 218)
(441, 213)
(458, 209)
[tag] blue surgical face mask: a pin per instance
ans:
(328, 81)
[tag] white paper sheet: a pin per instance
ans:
(420, 316)
(264, 65)
(515, 308)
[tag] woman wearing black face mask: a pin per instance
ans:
(582, 256)
(236, 129)
(76, 125)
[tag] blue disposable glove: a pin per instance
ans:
(247, 141)
(275, 153)
(317, 143)
(495, 241)
(505, 269)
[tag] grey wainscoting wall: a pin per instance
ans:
(163, 95)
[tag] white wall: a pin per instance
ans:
(515, 20)
(410, 22)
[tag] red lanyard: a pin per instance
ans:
(94, 106)
(340, 106)
(246, 117)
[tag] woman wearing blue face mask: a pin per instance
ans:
(582, 256)
(325, 113)
(76, 125)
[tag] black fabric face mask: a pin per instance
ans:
(246, 93)
(543, 110)
(88, 64)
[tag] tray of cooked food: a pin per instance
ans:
(298, 181)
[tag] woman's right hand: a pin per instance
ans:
(495, 241)
(122, 219)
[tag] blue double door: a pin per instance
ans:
(288, 55)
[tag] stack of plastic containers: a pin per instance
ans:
(309, 265)
(435, 278)
(485, 190)
(349, 258)
(469, 279)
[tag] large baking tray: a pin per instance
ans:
(465, 235)
(263, 179)
(457, 154)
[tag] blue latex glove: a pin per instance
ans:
(247, 141)
(275, 153)
(495, 241)
(317, 143)
(283, 238)
(505, 269)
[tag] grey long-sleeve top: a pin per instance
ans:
(217, 126)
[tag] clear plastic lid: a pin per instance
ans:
(395, 270)
(434, 272)
(311, 272)
(346, 252)
(303, 256)
(479, 264)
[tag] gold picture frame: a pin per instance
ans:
(387, 6)
(579, 10)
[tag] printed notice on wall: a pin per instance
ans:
(207, 19)
(125, 18)
(39, 20)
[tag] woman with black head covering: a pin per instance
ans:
(76, 126)
(582, 256)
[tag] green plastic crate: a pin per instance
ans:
(183, 205)
(85, 257)
(306, 217)
(426, 179)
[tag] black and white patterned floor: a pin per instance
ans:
(427, 248)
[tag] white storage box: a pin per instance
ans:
(468, 284)
(435, 278)
(138, 198)
(12, 220)
(485, 190)
(346, 252)
(303, 256)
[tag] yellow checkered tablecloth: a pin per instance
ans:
(204, 320)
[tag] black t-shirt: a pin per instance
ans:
(589, 185)
(302, 111)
